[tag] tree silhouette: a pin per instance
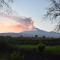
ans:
(53, 12)
(43, 37)
(36, 36)
(5, 8)
(41, 47)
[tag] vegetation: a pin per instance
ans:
(12, 48)
(53, 49)
(53, 12)
(5, 7)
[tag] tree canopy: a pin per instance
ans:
(53, 12)
(5, 7)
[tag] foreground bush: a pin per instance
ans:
(41, 47)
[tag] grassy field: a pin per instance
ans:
(55, 49)
(47, 49)
(52, 49)
(16, 48)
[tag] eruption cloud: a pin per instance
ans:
(16, 24)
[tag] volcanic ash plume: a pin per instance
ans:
(16, 24)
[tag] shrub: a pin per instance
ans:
(41, 47)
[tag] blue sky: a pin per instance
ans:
(34, 9)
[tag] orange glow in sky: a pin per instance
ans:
(14, 24)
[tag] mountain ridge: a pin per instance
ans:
(37, 31)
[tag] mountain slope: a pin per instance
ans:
(38, 32)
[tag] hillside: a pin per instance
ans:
(38, 32)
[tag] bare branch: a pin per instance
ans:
(5, 7)
(53, 12)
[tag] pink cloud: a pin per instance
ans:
(21, 24)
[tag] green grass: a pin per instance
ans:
(27, 46)
(53, 49)
(48, 49)
(32, 48)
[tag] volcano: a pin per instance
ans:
(38, 32)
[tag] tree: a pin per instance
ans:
(43, 37)
(53, 12)
(5, 7)
(41, 47)
(36, 36)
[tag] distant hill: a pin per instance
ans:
(37, 31)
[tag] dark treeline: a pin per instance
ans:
(30, 40)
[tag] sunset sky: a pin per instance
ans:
(30, 16)
(16, 24)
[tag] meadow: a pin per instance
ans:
(12, 48)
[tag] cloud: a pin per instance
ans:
(16, 24)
